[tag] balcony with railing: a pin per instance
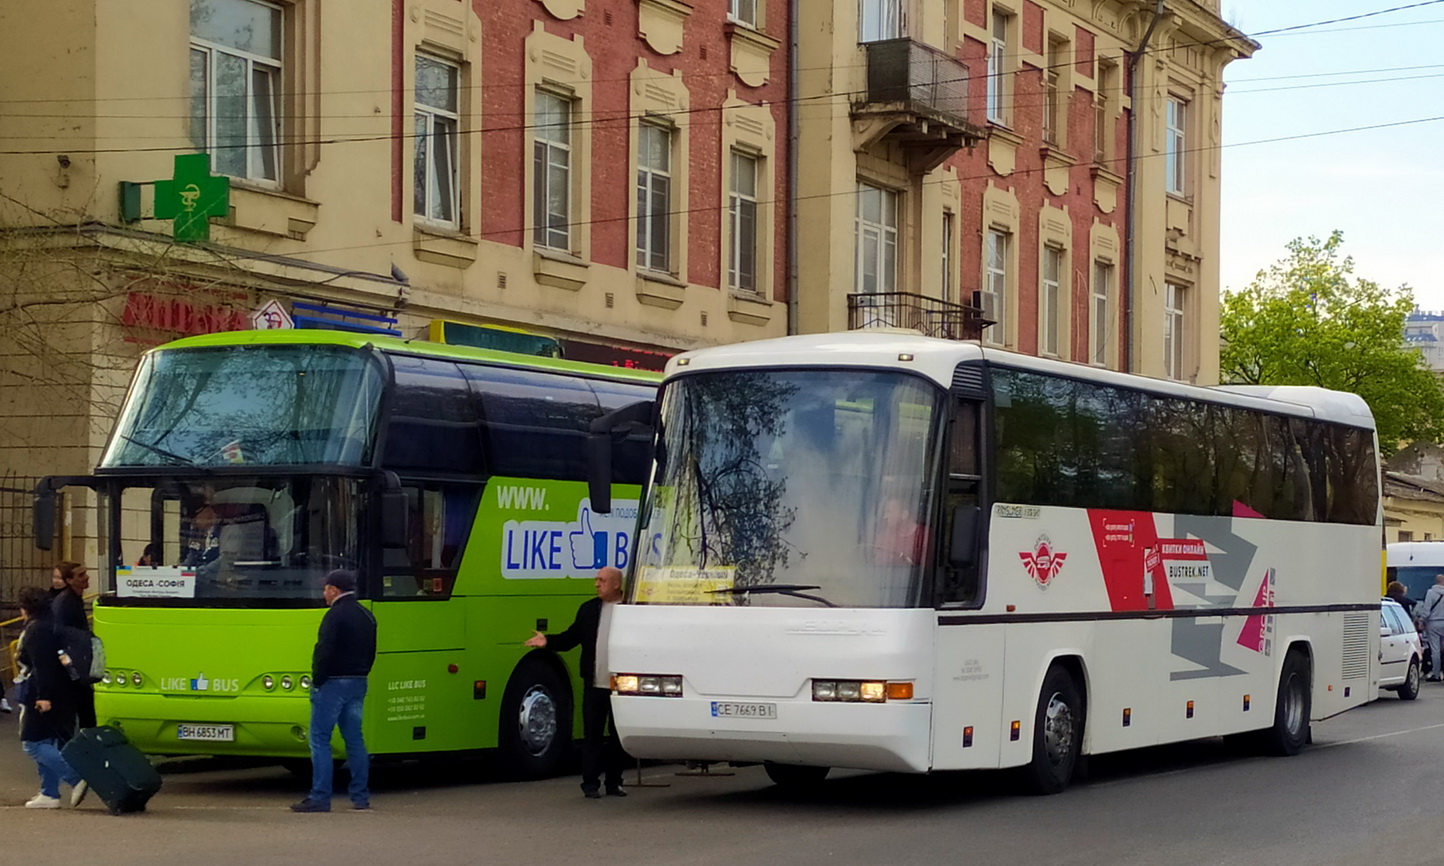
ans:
(932, 317)
(916, 97)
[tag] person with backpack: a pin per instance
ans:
(68, 610)
(47, 702)
(1429, 615)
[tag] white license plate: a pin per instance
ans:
(215, 733)
(727, 709)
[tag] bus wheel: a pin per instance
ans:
(1410, 689)
(536, 722)
(1291, 711)
(795, 776)
(1057, 734)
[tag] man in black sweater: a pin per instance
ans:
(345, 651)
(589, 631)
(67, 608)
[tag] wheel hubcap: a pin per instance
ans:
(1413, 677)
(1058, 730)
(537, 721)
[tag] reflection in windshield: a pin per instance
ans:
(244, 540)
(815, 479)
(276, 405)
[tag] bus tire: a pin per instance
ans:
(1292, 708)
(795, 776)
(536, 722)
(1410, 689)
(1057, 734)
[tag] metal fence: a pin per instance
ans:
(21, 563)
(930, 316)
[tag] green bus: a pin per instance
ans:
(245, 466)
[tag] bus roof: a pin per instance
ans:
(936, 359)
(306, 336)
(1420, 554)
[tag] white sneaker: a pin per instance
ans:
(5, 706)
(78, 792)
(40, 801)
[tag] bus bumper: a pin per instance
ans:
(270, 727)
(889, 737)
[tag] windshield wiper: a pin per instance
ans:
(792, 589)
(173, 457)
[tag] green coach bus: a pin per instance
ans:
(245, 466)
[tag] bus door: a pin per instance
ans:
(969, 676)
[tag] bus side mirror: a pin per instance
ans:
(963, 544)
(627, 420)
(43, 517)
(394, 534)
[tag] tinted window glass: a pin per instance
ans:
(535, 424)
(433, 423)
(631, 458)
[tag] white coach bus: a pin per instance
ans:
(889, 552)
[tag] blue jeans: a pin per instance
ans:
(53, 768)
(337, 703)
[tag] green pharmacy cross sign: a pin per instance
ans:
(192, 197)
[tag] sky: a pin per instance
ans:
(1383, 188)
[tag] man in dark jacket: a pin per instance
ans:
(589, 631)
(68, 609)
(345, 651)
(47, 708)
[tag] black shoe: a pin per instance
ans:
(616, 792)
(363, 806)
(592, 795)
(309, 805)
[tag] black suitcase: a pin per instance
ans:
(116, 771)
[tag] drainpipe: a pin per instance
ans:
(1130, 285)
(792, 146)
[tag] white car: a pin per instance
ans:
(1400, 652)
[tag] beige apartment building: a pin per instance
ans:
(1002, 177)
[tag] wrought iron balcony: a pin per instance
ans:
(932, 317)
(917, 97)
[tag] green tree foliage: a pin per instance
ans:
(1307, 320)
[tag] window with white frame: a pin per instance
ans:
(235, 57)
(742, 11)
(947, 283)
(437, 120)
(995, 285)
(1098, 327)
(998, 69)
(1175, 301)
(1102, 111)
(654, 197)
(742, 222)
(1050, 301)
(1175, 146)
(1054, 99)
(878, 20)
(552, 172)
(876, 232)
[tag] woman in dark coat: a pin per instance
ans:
(47, 708)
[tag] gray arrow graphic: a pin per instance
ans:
(1202, 643)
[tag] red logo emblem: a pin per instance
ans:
(1043, 563)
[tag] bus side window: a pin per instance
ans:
(439, 519)
(960, 586)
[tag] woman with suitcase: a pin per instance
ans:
(47, 702)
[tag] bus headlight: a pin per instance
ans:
(861, 691)
(268, 682)
(305, 681)
(105, 677)
(652, 685)
(135, 678)
(286, 682)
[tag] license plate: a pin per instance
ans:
(727, 709)
(215, 733)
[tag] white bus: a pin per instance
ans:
(890, 552)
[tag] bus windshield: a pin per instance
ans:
(265, 404)
(791, 488)
(235, 540)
